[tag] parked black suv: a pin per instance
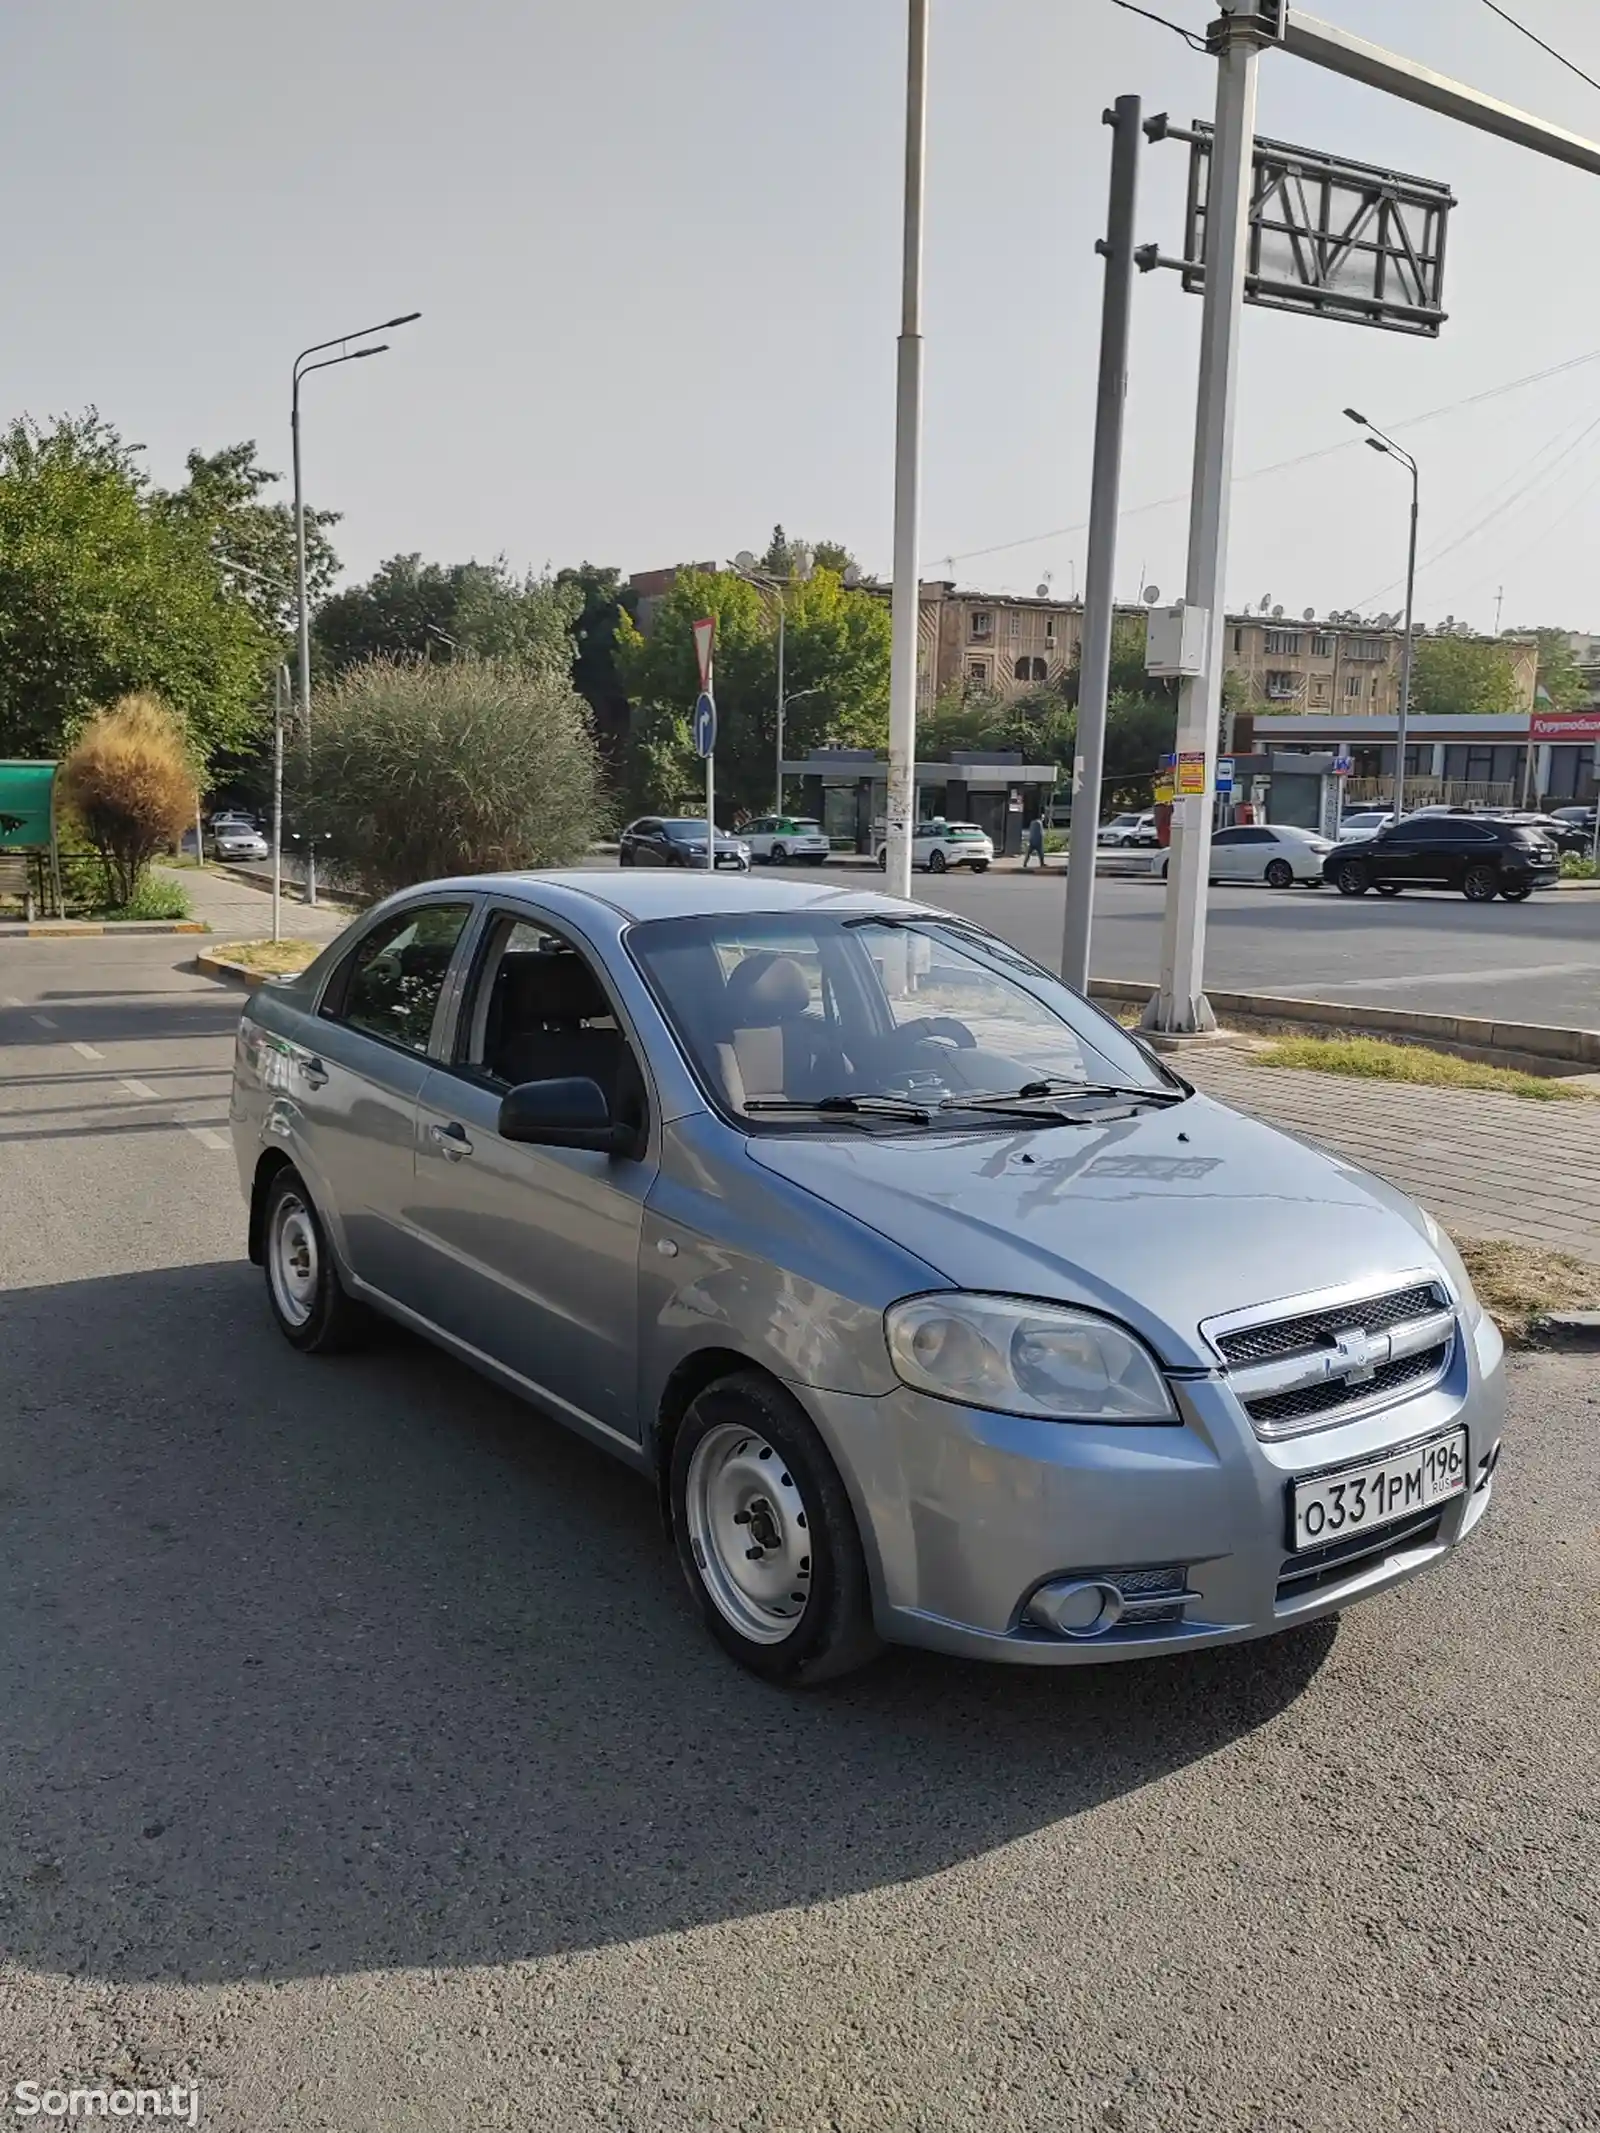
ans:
(1478, 855)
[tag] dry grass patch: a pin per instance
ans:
(1518, 1284)
(275, 959)
(1371, 1059)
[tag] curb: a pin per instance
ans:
(1578, 1332)
(1535, 1046)
(74, 929)
(228, 972)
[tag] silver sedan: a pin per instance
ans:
(937, 1310)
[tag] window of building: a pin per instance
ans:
(1238, 640)
(1322, 645)
(1013, 624)
(1286, 643)
(982, 625)
(1367, 648)
(1352, 685)
(978, 672)
(1374, 688)
(1282, 686)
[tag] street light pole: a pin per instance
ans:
(907, 606)
(1390, 450)
(303, 369)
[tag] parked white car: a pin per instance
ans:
(1364, 823)
(1129, 830)
(777, 839)
(939, 846)
(1274, 853)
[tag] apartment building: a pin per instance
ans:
(1339, 668)
(992, 643)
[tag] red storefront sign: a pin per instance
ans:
(1565, 726)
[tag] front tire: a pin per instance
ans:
(778, 856)
(308, 1299)
(1518, 896)
(766, 1536)
(1481, 886)
(883, 860)
(1280, 875)
(936, 861)
(1388, 888)
(1352, 879)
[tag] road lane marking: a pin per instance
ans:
(1494, 976)
(142, 1088)
(208, 1139)
(44, 1021)
(87, 1051)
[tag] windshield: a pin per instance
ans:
(688, 826)
(803, 1007)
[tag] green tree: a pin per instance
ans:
(1559, 678)
(595, 637)
(418, 769)
(836, 673)
(221, 503)
(409, 609)
(104, 591)
(1455, 677)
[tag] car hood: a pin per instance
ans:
(1163, 1219)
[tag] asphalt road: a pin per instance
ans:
(361, 1759)
(1532, 962)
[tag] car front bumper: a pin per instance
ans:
(965, 1514)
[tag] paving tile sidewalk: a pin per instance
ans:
(238, 911)
(1485, 1165)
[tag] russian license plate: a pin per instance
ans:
(1357, 1499)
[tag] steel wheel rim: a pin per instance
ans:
(293, 1261)
(749, 1533)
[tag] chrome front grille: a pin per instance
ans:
(1336, 1357)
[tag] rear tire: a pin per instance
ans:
(305, 1293)
(1280, 875)
(883, 860)
(980, 866)
(766, 1536)
(1481, 886)
(1352, 879)
(1518, 896)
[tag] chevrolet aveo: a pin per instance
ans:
(936, 1308)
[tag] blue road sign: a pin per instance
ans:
(1225, 773)
(1343, 766)
(705, 725)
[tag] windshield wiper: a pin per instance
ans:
(864, 1106)
(1056, 1085)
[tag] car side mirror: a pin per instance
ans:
(571, 1113)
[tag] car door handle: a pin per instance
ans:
(451, 1141)
(313, 1073)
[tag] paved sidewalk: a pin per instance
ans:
(238, 911)
(1488, 1166)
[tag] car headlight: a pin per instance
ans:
(1455, 1267)
(1023, 1358)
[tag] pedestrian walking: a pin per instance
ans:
(1035, 848)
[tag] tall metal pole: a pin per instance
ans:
(1180, 1006)
(900, 800)
(1094, 670)
(711, 786)
(1405, 656)
(303, 622)
(280, 691)
(782, 617)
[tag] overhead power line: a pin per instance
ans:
(1571, 65)
(1282, 466)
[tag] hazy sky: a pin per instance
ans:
(655, 243)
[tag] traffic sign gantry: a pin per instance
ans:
(705, 725)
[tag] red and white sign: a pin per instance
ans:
(1565, 726)
(704, 637)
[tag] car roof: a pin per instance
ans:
(645, 893)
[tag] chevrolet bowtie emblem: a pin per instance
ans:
(1357, 1355)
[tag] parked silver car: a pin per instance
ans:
(938, 1310)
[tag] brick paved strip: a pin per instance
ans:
(1490, 1164)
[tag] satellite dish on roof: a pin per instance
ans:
(744, 560)
(1152, 593)
(1277, 614)
(1042, 592)
(1310, 615)
(852, 575)
(1266, 602)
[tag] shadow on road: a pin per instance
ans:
(322, 1667)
